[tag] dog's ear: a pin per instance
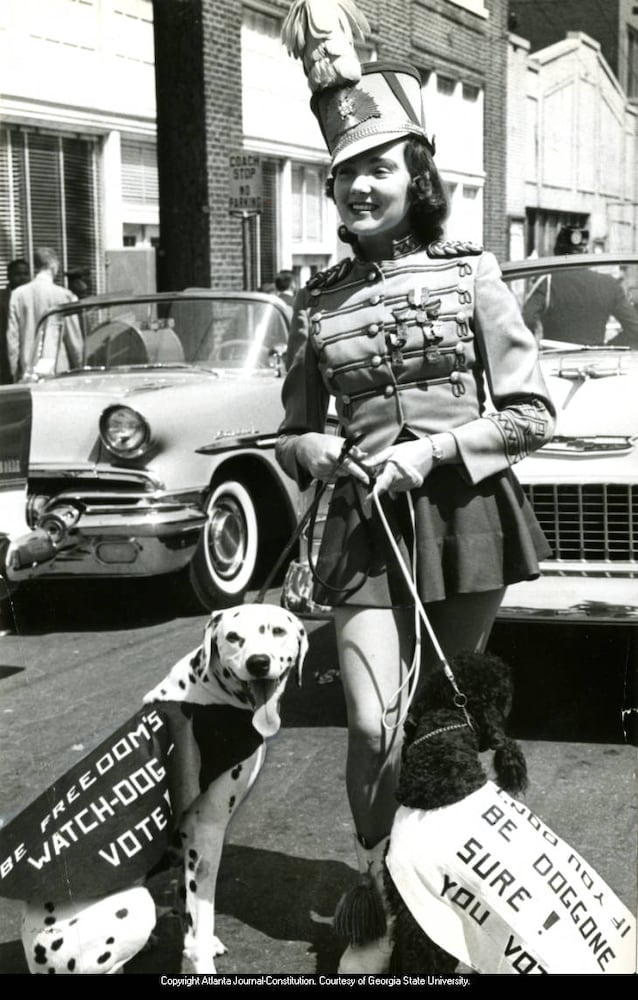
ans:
(302, 650)
(510, 766)
(210, 637)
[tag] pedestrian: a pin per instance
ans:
(576, 305)
(28, 303)
(408, 336)
(18, 273)
(79, 282)
(286, 286)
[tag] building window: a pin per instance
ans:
(308, 201)
(139, 174)
(48, 197)
(632, 62)
(445, 84)
(470, 192)
(471, 92)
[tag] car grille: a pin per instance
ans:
(596, 522)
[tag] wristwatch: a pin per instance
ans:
(437, 451)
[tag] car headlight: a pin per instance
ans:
(124, 431)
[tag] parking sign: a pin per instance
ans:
(245, 183)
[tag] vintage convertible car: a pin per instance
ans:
(140, 442)
(583, 486)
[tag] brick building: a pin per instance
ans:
(226, 86)
(572, 138)
(612, 23)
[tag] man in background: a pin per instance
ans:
(28, 303)
(18, 273)
(575, 305)
(286, 286)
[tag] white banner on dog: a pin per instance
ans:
(490, 883)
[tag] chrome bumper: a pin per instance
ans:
(77, 538)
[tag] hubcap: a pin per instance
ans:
(227, 538)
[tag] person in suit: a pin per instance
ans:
(575, 305)
(18, 273)
(28, 304)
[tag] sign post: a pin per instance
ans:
(245, 202)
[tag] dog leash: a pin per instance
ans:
(309, 513)
(413, 673)
(414, 669)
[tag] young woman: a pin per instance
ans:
(411, 336)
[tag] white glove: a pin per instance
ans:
(402, 467)
(320, 454)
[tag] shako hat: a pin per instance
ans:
(358, 106)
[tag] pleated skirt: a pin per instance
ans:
(469, 539)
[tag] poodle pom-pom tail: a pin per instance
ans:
(360, 916)
(510, 767)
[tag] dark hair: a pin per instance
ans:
(284, 280)
(429, 205)
(13, 265)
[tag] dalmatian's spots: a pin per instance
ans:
(57, 944)
(72, 922)
(222, 677)
(110, 940)
(50, 907)
(121, 914)
(71, 964)
(51, 972)
(192, 854)
(49, 920)
(40, 954)
(104, 958)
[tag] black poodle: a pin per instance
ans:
(440, 765)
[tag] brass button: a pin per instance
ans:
(372, 276)
(460, 348)
(461, 316)
(316, 317)
(373, 329)
(315, 292)
(376, 360)
(388, 391)
(345, 399)
(375, 299)
(330, 372)
(455, 376)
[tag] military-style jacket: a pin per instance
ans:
(420, 343)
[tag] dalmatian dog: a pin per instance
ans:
(224, 701)
(87, 937)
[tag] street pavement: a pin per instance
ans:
(289, 854)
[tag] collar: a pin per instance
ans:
(436, 732)
(400, 248)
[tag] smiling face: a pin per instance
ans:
(371, 195)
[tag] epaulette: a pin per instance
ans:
(333, 275)
(453, 248)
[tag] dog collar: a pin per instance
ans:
(435, 732)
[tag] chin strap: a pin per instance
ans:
(412, 678)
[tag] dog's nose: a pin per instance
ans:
(258, 665)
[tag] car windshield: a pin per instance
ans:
(588, 305)
(241, 334)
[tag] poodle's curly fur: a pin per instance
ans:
(440, 768)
